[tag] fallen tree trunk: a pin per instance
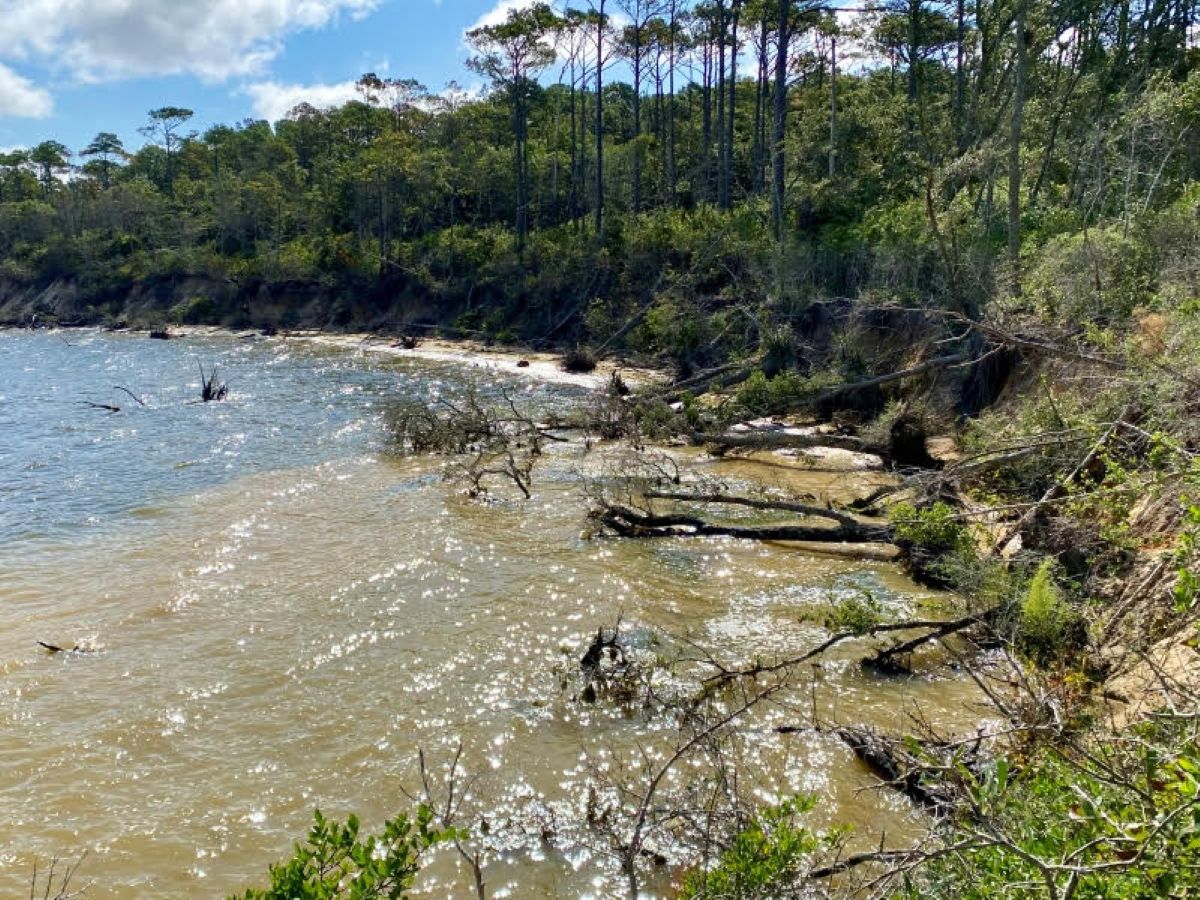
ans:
(724, 376)
(630, 523)
(779, 440)
(930, 365)
(914, 768)
(889, 661)
(806, 509)
(1057, 489)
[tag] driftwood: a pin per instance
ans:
(54, 648)
(628, 522)
(805, 509)
(106, 407)
(212, 391)
(722, 376)
(912, 767)
(135, 397)
(777, 440)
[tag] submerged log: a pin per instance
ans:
(914, 768)
(55, 648)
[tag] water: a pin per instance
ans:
(282, 613)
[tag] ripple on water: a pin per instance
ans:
(286, 618)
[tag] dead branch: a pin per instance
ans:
(930, 365)
(917, 769)
(136, 398)
(211, 391)
(1058, 488)
(889, 661)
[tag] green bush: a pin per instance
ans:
(935, 529)
(1119, 823)
(787, 391)
(1048, 626)
(765, 861)
(858, 614)
(337, 864)
(941, 551)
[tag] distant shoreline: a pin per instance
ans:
(511, 360)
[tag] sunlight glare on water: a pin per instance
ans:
(281, 614)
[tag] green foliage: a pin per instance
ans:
(858, 614)
(941, 549)
(1121, 823)
(1099, 276)
(759, 395)
(1048, 627)
(196, 311)
(337, 863)
(765, 860)
(935, 529)
(1187, 587)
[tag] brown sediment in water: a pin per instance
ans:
(290, 639)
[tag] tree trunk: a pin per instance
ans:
(722, 199)
(730, 124)
(671, 177)
(599, 211)
(833, 107)
(519, 165)
(636, 180)
(780, 119)
(960, 75)
(1014, 152)
(914, 12)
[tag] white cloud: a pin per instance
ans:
(214, 39)
(273, 101)
(21, 98)
(498, 14)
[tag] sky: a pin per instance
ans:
(72, 68)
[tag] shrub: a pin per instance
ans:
(765, 861)
(760, 395)
(1116, 823)
(337, 863)
(580, 360)
(941, 550)
(858, 614)
(1048, 626)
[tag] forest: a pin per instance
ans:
(902, 220)
(729, 159)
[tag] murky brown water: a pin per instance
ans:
(284, 639)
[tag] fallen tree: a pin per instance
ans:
(779, 440)
(628, 522)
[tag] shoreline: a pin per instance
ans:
(537, 365)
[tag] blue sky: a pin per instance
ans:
(69, 69)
